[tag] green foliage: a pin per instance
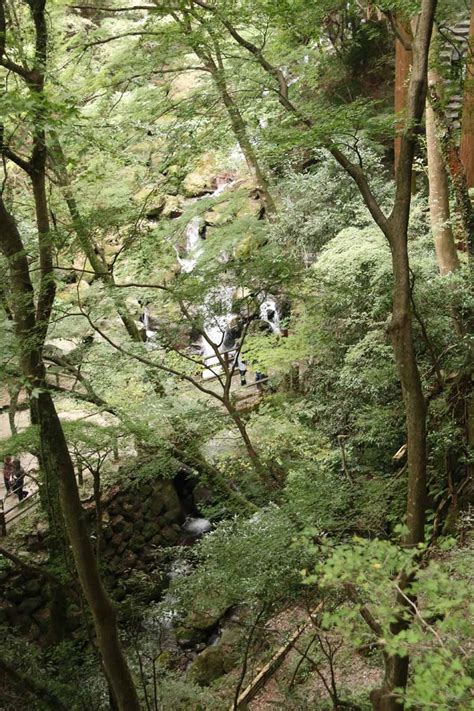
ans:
(261, 563)
(439, 616)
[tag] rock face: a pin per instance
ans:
(139, 522)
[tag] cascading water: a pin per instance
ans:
(193, 250)
(218, 328)
(215, 328)
(269, 314)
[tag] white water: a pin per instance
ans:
(193, 250)
(269, 314)
(197, 526)
(215, 327)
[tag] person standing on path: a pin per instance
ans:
(8, 473)
(18, 480)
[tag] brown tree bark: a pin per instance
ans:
(467, 128)
(395, 228)
(403, 60)
(56, 460)
(445, 247)
(455, 167)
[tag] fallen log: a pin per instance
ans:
(259, 681)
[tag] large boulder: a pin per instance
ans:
(216, 660)
(202, 179)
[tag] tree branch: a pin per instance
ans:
(361, 181)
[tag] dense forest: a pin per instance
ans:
(236, 305)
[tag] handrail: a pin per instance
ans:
(32, 501)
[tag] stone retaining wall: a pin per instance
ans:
(139, 522)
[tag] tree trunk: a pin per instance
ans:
(467, 129)
(56, 456)
(403, 59)
(452, 158)
(413, 398)
(239, 127)
(240, 131)
(445, 247)
(14, 393)
(57, 463)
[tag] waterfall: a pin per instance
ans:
(217, 329)
(269, 314)
(149, 331)
(193, 250)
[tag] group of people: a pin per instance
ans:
(14, 477)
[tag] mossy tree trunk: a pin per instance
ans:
(57, 462)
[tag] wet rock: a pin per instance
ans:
(157, 540)
(189, 637)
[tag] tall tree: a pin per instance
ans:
(467, 130)
(31, 324)
(445, 247)
(403, 60)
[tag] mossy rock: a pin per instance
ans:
(173, 207)
(229, 647)
(169, 535)
(127, 531)
(118, 523)
(198, 183)
(117, 541)
(207, 667)
(189, 636)
(150, 529)
(217, 660)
